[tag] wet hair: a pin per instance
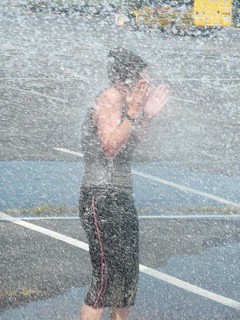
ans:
(124, 65)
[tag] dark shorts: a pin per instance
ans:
(110, 221)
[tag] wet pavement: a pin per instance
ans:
(186, 171)
(202, 252)
(36, 262)
(53, 66)
(155, 301)
(29, 184)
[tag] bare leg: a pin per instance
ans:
(90, 313)
(120, 313)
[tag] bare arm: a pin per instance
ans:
(112, 131)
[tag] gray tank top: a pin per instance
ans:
(101, 171)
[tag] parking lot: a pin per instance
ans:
(186, 171)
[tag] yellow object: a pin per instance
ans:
(213, 13)
(163, 17)
(204, 13)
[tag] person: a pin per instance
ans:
(114, 126)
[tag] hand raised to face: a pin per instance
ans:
(156, 101)
(137, 98)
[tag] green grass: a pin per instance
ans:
(22, 292)
(48, 209)
(42, 209)
(207, 209)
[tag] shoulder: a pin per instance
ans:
(110, 95)
(107, 104)
(109, 100)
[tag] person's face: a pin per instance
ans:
(135, 77)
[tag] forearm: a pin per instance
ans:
(118, 138)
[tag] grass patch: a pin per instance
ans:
(207, 209)
(42, 209)
(20, 297)
(48, 209)
(23, 292)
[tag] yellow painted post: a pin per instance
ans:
(212, 13)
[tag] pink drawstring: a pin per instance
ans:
(101, 249)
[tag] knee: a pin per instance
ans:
(120, 313)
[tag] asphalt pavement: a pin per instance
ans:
(185, 172)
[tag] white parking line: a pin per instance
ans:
(144, 269)
(79, 154)
(185, 100)
(45, 231)
(34, 93)
(203, 80)
(159, 217)
(169, 183)
(27, 79)
(187, 189)
(192, 216)
(213, 80)
(233, 85)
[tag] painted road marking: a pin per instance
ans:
(177, 217)
(169, 183)
(35, 93)
(169, 79)
(45, 231)
(185, 100)
(144, 269)
(191, 288)
(79, 154)
(191, 216)
(187, 189)
(203, 80)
